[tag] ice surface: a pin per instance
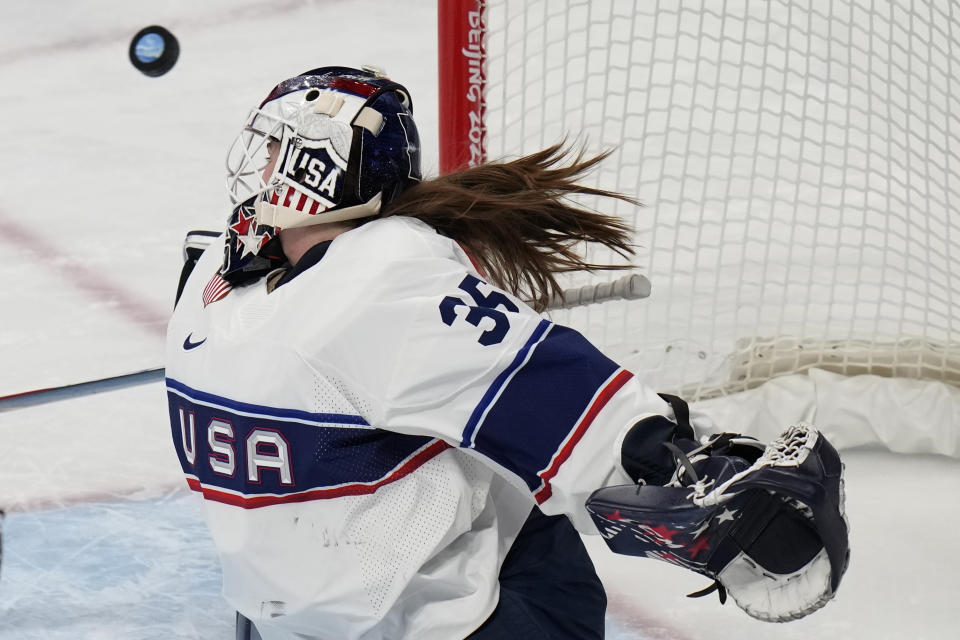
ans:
(125, 569)
(101, 172)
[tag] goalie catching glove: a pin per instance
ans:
(766, 523)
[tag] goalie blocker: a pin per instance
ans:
(766, 523)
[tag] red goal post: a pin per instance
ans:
(461, 74)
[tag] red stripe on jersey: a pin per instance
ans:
(275, 197)
(607, 392)
(301, 202)
(314, 207)
(254, 502)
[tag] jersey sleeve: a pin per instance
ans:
(461, 360)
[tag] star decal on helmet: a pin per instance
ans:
(245, 219)
(265, 237)
(250, 241)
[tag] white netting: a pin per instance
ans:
(799, 160)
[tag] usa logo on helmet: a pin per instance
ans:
(312, 177)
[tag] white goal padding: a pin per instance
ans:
(904, 416)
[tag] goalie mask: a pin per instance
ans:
(329, 145)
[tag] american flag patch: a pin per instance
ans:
(216, 289)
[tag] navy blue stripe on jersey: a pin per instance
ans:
(244, 408)
(493, 392)
(600, 400)
(542, 399)
(250, 456)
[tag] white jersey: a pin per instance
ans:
(369, 437)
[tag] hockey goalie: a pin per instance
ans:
(390, 437)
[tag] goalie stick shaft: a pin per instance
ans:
(632, 286)
(89, 387)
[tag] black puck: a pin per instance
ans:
(154, 51)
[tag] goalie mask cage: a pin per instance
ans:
(798, 159)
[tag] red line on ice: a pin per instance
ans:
(100, 496)
(95, 284)
(116, 35)
(632, 616)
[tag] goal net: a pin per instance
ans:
(798, 161)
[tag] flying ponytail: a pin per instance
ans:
(516, 221)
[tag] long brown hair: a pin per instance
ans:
(516, 221)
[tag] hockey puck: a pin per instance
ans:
(154, 51)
